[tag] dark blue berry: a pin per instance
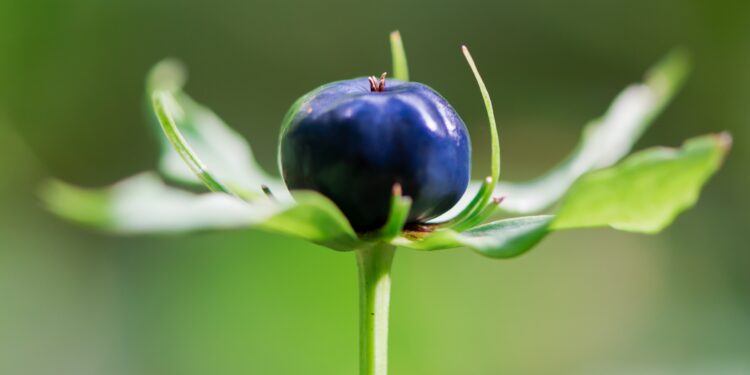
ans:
(353, 140)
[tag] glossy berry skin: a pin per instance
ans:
(352, 145)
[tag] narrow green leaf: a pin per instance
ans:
(144, 204)
(483, 196)
(603, 143)
(224, 154)
(161, 100)
(485, 213)
(474, 206)
(397, 216)
(398, 55)
(646, 191)
(494, 137)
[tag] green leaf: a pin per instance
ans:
(144, 204)
(647, 190)
(603, 143)
(199, 148)
(644, 193)
(500, 239)
(605, 140)
(315, 218)
(398, 55)
(483, 195)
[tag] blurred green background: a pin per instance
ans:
(74, 301)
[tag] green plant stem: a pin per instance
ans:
(374, 264)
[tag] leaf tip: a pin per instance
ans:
(725, 140)
(169, 74)
(670, 72)
(75, 204)
(397, 189)
(398, 57)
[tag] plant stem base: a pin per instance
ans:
(374, 264)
